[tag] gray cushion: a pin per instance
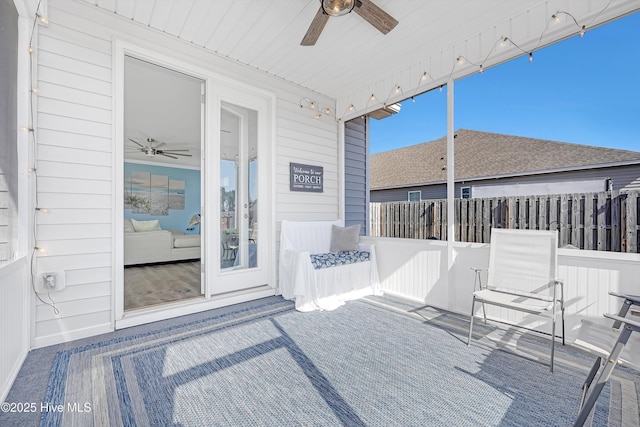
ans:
(344, 238)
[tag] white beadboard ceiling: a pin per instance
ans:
(351, 59)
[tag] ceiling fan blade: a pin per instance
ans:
(135, 142)
(171, 153)
(173, 149)
(160, 145)
(375, 16)
(167, 155)
(316, 27)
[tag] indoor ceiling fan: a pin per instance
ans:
(365, 8)
(152, 148)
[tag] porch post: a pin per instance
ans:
(450, 195)
(450, 172)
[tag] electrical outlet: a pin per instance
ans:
(51, 281)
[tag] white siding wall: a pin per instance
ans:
(75, 156)
(417, 269)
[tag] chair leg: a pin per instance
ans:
(553, 341)
(562, 313)
(587, 383)
(609, 364)
(473, 303)
(484, 313)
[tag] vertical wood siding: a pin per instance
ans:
(75, 148)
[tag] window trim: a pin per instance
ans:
(409, 193)
(466, 187)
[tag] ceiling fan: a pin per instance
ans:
(152, 148)
(365, 8)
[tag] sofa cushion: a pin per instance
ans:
(344, 238)
(334, 259)
(186, 241)
(151, 225)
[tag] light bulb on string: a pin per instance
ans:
(530, 56)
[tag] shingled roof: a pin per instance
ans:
(483, 154)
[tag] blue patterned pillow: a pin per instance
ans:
(334, 259)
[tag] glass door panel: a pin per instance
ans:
(238, 187)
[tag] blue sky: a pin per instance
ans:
(581, 90)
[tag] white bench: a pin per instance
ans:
(318, 278)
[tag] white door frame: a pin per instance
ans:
(211, 125)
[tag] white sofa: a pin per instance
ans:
(326, 286)
(146, 247)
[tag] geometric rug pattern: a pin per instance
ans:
(373, 362)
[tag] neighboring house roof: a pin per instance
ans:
(484, 154)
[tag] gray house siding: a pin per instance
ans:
(356, 150)
(624, 178)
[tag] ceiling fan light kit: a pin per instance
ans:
(337, 7)
(371, 13)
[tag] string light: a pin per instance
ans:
(42, 19)
(43, 210)
(319, 111)
(501, 42)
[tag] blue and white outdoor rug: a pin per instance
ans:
(360, 365)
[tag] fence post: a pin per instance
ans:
(631, 223)
(616, 221)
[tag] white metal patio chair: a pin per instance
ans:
(522, 276)
(609, 347)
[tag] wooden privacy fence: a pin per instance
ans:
(606, 221)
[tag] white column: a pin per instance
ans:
(450, 170)
(450, 194)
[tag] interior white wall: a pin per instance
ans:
(76, 146)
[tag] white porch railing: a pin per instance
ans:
(14, 322)
(417, 269)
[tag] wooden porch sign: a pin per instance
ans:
(307, 178)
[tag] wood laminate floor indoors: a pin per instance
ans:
(152, 284)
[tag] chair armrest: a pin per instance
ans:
(635, 299)
(633, 324)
